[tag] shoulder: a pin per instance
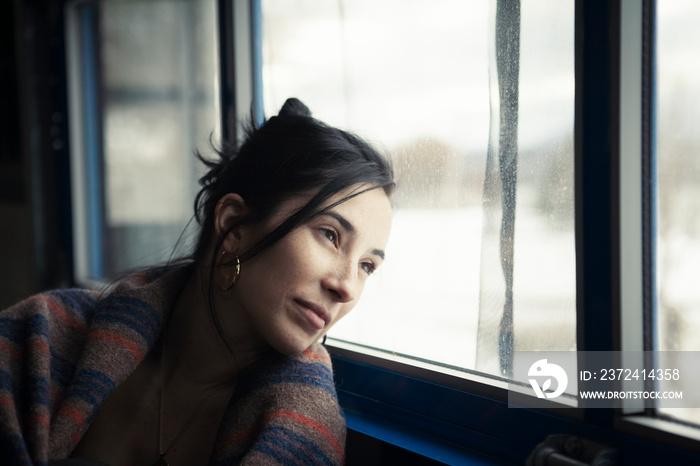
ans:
(308, 370)
(45, 331)
(71, 308)
(290, 401)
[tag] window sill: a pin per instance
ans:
(673, 433)
(406, 411)
(376, 434)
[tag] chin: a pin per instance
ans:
(293, 347)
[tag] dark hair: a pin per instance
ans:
(288, 155)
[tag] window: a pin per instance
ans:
(144, 82)
(678, 183)
(486, 248)
(374, 66)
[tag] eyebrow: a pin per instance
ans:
(347, 226)
(378, 252)
(350, 229)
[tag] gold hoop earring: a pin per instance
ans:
(228, 283)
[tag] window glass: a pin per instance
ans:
(420, 79)
(678, 183)
(153, 68)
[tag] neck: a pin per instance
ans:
(196, 352)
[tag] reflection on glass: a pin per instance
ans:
(678, 168)
(158, 74)
(414, 78)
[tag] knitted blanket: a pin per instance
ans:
(63, 352)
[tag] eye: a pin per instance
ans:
(368, 267)
(331, 235)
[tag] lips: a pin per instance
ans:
(317, 316)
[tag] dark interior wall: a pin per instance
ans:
(16, 256)
(34, 188)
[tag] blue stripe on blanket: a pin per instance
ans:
(61, 369)
(17, 393)
(315, 374)
(39, 325)
(90, 386)
(77, 300)
(133, 313)
(6, 382)
(18, 331)
(307, 373)
(13, 330)
(289, 448)
(39, 391)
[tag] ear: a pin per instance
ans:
(229, 210)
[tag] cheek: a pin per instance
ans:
(274, 273)
(345, 310)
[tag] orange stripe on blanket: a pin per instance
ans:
(322, 429)
(237, 437)
(40, 345)
(58, 310)
(10, 349)
(55, 394)
(120, 340)
(41, 419)
(6, 400)
(310, 354)
(72, 413)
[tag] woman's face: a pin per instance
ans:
(293, 292)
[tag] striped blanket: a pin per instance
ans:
(63, 352)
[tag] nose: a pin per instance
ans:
(342, 282)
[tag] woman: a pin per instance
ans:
(214, 360)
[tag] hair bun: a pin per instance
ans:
(294, 107)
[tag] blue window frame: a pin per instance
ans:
(93, 141)
(143, 97)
